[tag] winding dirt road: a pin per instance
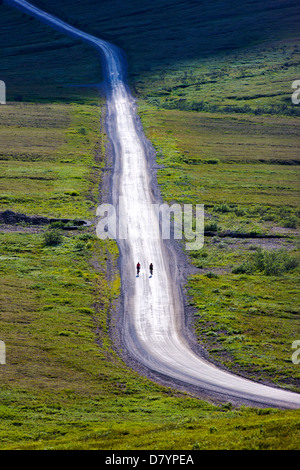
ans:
(153, 307)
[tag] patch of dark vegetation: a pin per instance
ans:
(12, 218)
(202, 106)
(232, 234)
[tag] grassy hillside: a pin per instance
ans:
(37, 63)
(181, 54)
(208, 75)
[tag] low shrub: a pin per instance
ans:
(211, 227)
(52, 237)
(223, 208)
(270, 263)
(212, 275)
(244, 268)
(291, 222)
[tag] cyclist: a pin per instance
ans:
(151, 269)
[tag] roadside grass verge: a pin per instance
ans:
(249, 322)
(47, 159)
(69, 422)
(49, 309)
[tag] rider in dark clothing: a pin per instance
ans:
(138, 267)
(151, 268)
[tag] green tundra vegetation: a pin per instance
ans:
(247, 286)
(214, 100)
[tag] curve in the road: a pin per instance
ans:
(152, 306)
